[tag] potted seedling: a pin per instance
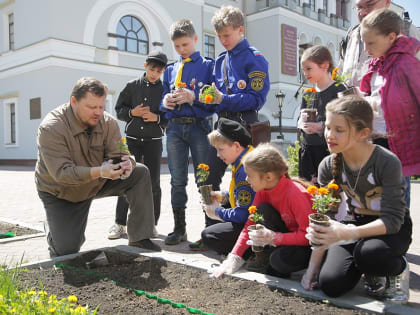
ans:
(342, 78)
(310, 96)
(122, 150)
(324, 200)
(179, 86)
(255, 217)
(203, 171)
(208, 94)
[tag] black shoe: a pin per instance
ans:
(174, 238)
(146, 244)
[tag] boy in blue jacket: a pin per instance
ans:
(188, 125)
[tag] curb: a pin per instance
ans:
(350, 300)
(23, 237)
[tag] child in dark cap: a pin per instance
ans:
(138, 105)
(232, 142)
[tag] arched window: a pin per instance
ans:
(132, 36)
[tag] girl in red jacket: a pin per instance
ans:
(285, 205)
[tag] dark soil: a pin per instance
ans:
(16, 229)
(176, 282)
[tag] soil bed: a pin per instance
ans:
(17, 229)
(176, 282)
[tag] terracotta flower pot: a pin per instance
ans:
(350, 91)
(253, 227)
(319, 219)
(205, 191)
(310, 114)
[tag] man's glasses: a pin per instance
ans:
(367, 6)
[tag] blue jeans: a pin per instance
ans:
(180, 139)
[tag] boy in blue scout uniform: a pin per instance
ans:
(242, 82)
(187, 126)
(232, 142)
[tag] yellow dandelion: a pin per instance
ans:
(72, 299)
(51, 310)
(31, 292)
(42, 293)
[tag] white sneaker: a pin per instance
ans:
(116, 231)
(398, 290)
(155, 232)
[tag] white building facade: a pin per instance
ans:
(47, 45)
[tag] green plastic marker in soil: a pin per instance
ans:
(7, 235)
(137, 292)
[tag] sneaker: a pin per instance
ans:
(116, 231)
(374, 285)
(146, 244)
(398, 290)
(198, 246)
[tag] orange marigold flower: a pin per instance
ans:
(323, 191)
(312, 189)
(333, 186)
(334, 73)
(252, 209)
(203, 166)
(208, 98)
(310, 90)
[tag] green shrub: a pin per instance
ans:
(293, 159)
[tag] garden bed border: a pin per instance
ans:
(350, 301)
(23, 237)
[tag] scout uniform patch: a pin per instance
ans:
(244, 197)
(257, 82)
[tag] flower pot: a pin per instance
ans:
(205, 191)
(116, 160)
(310, 114)
(253, 227)
(350, 91)
(319, 219)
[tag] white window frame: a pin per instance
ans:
(214, 45)
(109, 106)
(7, 125)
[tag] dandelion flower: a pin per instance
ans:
(72, 299)
(51, 310)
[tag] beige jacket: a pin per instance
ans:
(66, 154)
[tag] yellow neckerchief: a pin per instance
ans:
(178, 77)
(232, 199)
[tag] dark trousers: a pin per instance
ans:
(309, 158)
(66, 220)
(288, 258)
(379, 256)
(221, 237)
(150, 154)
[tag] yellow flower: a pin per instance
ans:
(252, 209)
(42, 293)
(312, 190)
(1, 297)
(323, 191)
(31, 292)
(72, 299)
(333, 186)
(51, 310)
(80, 310)
(208, 98)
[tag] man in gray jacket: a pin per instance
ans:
(76, 144)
